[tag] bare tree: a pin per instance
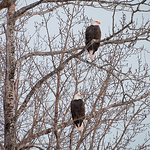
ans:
(43, 67)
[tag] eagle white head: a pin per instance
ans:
(95, 22)
(77, 96)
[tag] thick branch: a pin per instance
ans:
(101, 1)
(5, 4)
(45, 54)
(26, 8)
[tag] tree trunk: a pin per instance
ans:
(9, 81)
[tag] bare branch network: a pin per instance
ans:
(44, 62)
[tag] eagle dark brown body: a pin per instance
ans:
(93, 32)
(78, 113)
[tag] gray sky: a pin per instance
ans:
(105, 17)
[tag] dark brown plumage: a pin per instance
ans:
(93, 32)
(78, 111)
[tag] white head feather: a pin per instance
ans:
(77, 96)
(95, 22)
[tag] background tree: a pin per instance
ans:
(44, 64)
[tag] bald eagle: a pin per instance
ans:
(93, 32)
(78, 111)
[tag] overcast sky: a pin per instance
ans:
(105, 17)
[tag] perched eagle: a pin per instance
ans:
(78, 111)
(93, 32)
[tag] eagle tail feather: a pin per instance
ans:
(91, 53)
(80, 127)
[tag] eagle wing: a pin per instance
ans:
(77, 109)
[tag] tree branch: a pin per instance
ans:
(68, 123)
(105, 41)
(127, 102)
(45, 54)
(1, 146)
(26, 8)
(39, 83)
(5, 4)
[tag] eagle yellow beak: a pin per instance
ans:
(80, 95)
(98, 22)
